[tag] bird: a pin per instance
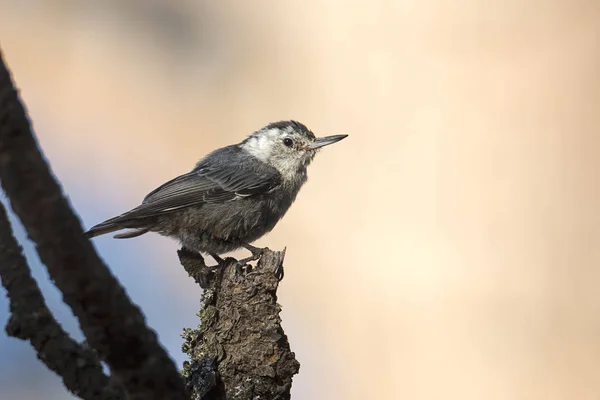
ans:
(232, 197)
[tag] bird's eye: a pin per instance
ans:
(288, 142)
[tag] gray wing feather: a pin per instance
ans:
(210, 184)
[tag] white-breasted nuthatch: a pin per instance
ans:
(233, 196)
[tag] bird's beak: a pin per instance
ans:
(325, 141)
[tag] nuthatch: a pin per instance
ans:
(233, 196)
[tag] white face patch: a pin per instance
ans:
(268, 147)
(261, 146)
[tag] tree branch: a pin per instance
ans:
(31, 320)
(239, 351)
(113, 325)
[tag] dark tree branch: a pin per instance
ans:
(112, 324)
(239, 351)
(31, 320)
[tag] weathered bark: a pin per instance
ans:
(239, 350)
(112, 324)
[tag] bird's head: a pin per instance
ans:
(289, 146)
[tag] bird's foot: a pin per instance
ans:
(256, 252)
(196, 268)
(279, 272)
(242, 267)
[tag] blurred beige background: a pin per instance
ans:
(448, 249)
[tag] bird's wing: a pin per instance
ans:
(209, 185)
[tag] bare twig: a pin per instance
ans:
(239, 351)
(112, 324)
(31, 320)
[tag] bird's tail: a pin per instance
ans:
(116, 224)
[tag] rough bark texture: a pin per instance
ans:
(31, 320)
(112, 324)
(239, 351)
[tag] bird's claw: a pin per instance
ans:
(256, 252)
(279, 272)
(242, 267)
(196, 268)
